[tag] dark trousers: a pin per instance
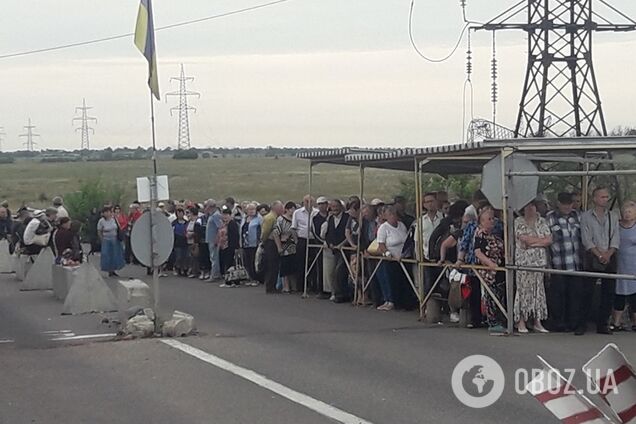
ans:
(249, 261)
(204, 257)
(226, 259)
(341, 289)
(476, 317)
(581, 296)
(608, 290)
(272, 266)
(561, 301)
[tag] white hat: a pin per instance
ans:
(38, 213)
(376, 202)
(321, 199)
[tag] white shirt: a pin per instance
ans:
(62, 212)
(393, 237)
(428, 226)
(29, 231)
(300, 222)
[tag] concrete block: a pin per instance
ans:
(181, 324)
(63, 277)
(88, 293)
(140, 326)
(6, 265)
(22, 264)
(40, 276)
(131, 293)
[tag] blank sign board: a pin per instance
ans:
(143, 188)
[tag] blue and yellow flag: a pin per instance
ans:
(145, 42)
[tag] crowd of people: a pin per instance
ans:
(285, 246)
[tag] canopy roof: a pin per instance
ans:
(469, 158)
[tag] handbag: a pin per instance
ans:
(374, 248)
(236, 273)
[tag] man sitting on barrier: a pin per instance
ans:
(37, 234)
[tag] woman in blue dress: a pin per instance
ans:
(626, 289)
(112, 255)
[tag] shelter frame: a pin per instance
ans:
(469, 158)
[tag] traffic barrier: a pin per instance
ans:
(6, 266)
(88, 292)
(40, 276)
(615, 380)
(129, 293)
(22, 264)
(63, 277)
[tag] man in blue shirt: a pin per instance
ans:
(211, 231)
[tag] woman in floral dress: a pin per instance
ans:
(489, 252)
(532, 236)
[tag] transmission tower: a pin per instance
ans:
(84, 128)
(183, 141)
(560, 94)
(29, 143)
(2, 135)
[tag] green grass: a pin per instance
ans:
(245, 178)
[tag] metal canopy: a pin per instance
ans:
(469, 158)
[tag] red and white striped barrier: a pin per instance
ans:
(615, 380)
(562, 399)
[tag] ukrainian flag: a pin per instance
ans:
(145, 42)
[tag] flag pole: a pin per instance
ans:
(153, 208)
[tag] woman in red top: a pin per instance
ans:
(121, 218)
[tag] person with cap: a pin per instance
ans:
(37, 234)
(58, 203)
(17, 230)
(335, 270)
(5, 204)
(215, 222)
(317, 222)
(300, 223)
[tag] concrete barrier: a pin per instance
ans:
(131, 293)
(88, 292)
(40, 276)
(22, 264)
(63, 278)
(6, 266)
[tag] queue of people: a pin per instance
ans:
(281, 245)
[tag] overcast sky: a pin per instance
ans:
(302, 73)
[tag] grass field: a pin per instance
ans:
(246, 178)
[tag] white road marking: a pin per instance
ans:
(84, 336)
(56, 331)
(6, 341)
(262, 381)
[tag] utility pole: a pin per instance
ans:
(183, 141)
(2, 135)
(560, 94)
(84, 127)
(29, 143)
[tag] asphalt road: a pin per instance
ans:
(376, 367)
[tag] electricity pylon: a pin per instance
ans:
(183, 141)
(29, 143)
(560, 95)
(84, 127)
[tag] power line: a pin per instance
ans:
(130, 34)
(419, 52)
